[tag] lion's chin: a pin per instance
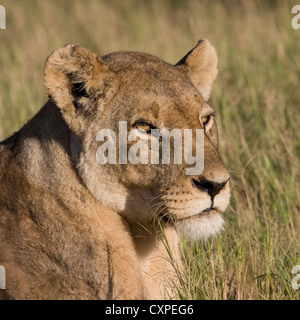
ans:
(201, 226)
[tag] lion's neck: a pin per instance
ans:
(159, 258)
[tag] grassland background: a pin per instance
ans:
(256, 98)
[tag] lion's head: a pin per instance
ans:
(147, 93)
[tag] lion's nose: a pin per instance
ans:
(211, 187)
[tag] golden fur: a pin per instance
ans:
(73, 229)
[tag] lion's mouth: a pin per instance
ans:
(172, 219)
(206, 212)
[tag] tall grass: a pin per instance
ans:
(256, 98)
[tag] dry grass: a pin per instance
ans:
(256, 99)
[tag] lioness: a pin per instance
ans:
(71, 228)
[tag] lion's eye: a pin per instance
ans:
(144, 126)
(205, 120)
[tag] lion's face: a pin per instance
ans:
(144, 93)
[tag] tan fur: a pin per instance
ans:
(73, 229)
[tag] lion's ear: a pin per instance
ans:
(72, 72)
(201, 66)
